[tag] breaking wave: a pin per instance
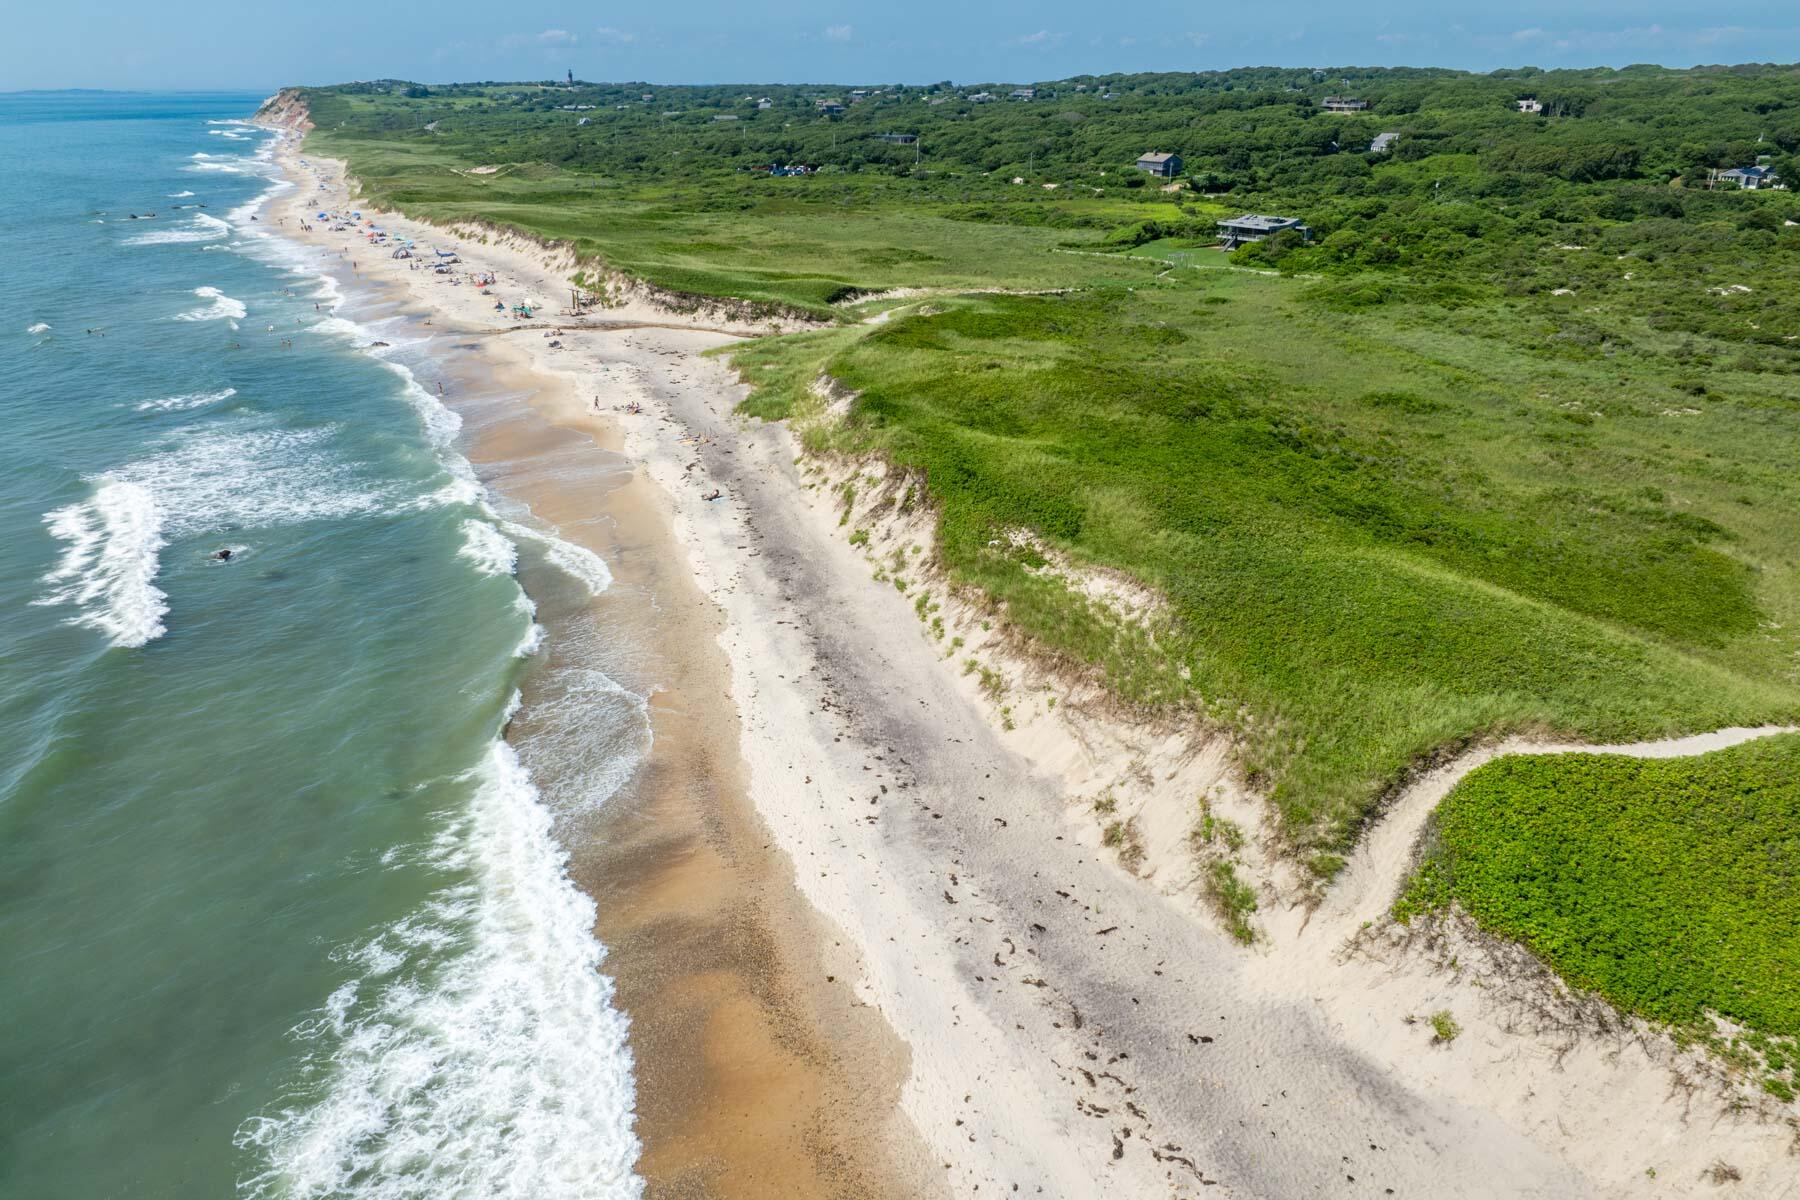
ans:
(498, 1070)
(108, 568)
(219, 478)
(489, 549)
(222, 308)
(184, 402)
(203, 228)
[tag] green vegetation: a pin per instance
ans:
(1363, 563)
(1671, 887)
(1232, 898)
(1444, 1028)
(1507, 446)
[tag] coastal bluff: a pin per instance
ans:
(286, 109)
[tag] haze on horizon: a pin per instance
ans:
(210, 44)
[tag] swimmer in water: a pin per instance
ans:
(223, 555)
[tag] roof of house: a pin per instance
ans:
(1757, 172)
(1260, 221)
(1157, 157)
(1383, 141)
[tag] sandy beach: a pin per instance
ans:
(866, 931)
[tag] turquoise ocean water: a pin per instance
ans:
(280, 912)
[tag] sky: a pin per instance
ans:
(203, 44)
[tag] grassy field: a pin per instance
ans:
(1509, 445)
(1670, 887)
(1380, 534)
(800, 243)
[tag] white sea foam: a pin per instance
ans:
(231, 164)
(108, 568)
(202, 228)
(578, 562)
(40, 327)
(440, 421)
(585, 733)
(222, 308)
(502, 1072)
(531, 643)
(184, 402)
(204, 480)
(491, 551)
(179, 195)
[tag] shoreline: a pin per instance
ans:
(746, 1070)
(1051, 1023)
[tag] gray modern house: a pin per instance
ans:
(1254, 227)
(1751, 178)
(1343, 104)
(1168, 166)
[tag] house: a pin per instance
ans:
(1254, 227)
(725, 116)
(1343, 104)
(981, 98)
(1168, 166)
(898, 139)
(860, 94)
(1531, 104)
(1383, 143)
(1022, 94)
(830, 108)
(584, 120)
(648, 97)
(1752, 178)
(764, 104)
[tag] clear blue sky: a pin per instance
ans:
(211, 43)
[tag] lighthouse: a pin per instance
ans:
(571, 77)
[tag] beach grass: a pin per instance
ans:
(1393, 507)
(1669, 886)
(804, 246)
(1377, 537)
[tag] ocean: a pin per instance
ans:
(282, 912)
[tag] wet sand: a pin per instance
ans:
(758, 1073)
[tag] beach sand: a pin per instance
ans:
(868, 938)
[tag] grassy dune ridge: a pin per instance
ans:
(1365, 563)
(1671, 887)
(1510, 445)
